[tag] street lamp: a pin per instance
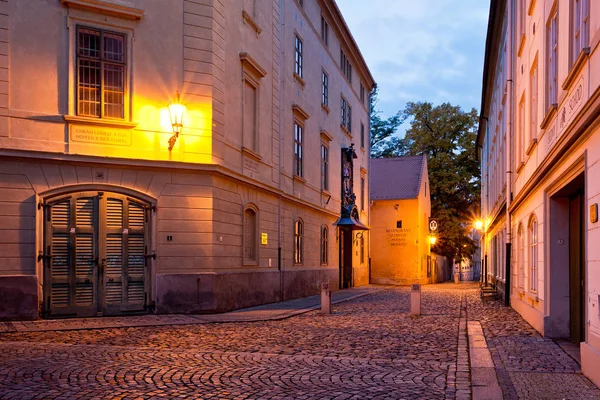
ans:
(481, 226)
(176, 111)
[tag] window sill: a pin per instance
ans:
(250, 263)
(549, 115)
(115, 123)
(106, 8)
(326, 136)
(299, 79)
(325, 108)
(346, 131)
(520, 167)
(298, 178)
(250, 21)
(583, 55)
(533, 296)
(251, 153)
(531, 146)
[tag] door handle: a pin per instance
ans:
(101, 266)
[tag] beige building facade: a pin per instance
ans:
(539, 144)
(400, 211)
(104, 210)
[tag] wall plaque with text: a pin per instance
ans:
(100, 135)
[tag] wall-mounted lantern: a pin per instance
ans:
(432, 240)
(176, 112)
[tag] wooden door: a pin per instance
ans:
(576, 269)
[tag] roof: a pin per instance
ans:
(396, 177)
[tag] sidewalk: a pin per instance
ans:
(266, 312)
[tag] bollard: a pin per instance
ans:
(456, 278)
(415, 299)
(325, 298)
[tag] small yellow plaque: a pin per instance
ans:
(264, 238)
(594, 213)
(100, 135)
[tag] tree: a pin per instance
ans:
(446, 135)
(383, 141)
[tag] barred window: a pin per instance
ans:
(298, 162)
(101, 66)
(298, 241)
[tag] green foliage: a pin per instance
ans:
(383, 141)
(446, 135)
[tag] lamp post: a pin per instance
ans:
(481, 226)
(176, 111)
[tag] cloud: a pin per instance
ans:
(430, 50)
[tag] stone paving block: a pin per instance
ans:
(480, 357)
(487, 393)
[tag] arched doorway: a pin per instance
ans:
(95, 254)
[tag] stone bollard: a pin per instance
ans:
(456, 278)
(325, 298)
(415, 299)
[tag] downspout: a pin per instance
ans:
(280, 85)
(507, 150)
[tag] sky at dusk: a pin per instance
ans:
(424, 50)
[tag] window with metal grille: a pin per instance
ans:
(324, 88)
(101, 66)
(298, 241)
(324, 167)
(298, 163)
(298, 65)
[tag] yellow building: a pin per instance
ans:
(111, 202)
(400, 211)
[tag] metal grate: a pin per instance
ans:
(136, 215)
(85, 212)
(84, 258)
(136, 253)
(60, 255)
(113, 292)
(60, 295)
(114, 254)
(135, 292)
(84, 294)
(114, 213)
(61, 216)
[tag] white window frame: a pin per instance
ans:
(532, 230)
(552, 58)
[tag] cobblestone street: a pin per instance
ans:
(369, 348)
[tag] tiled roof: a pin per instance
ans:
(396, 178)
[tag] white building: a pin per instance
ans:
(539, 146)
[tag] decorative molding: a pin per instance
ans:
(326, 136)
(531, 146)
(300, 179)
(299, 111)
(106, 8)
(363, 171)
(325, 108)
(520, 167)
(521, 45)
(116, 123)
(250, 21)
(252, 66)
(251, 153)
(575, 68)
(299, 79)
(530, 7)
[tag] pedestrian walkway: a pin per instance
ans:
(267, 312)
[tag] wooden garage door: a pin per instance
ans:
(96, 247)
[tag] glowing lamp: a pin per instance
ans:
(176, 112)
(478, 224)
(432, 239)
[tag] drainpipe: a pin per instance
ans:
(280, 86)
(507, 149)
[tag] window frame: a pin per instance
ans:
(298, 51)
(324, 167)
(362, 135)
(521, 256)
(298, 241)
(324, 245)
(579, 32)
(255, 235)
(324, 31)
(125, 64)
(533, 101)
(552, 58)
(298, 149)
(532, 233)
(324, 88)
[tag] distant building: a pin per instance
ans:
(400, 211)
(105, 210)
(539, 146)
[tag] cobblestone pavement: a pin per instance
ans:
(528, 366)
(370, 348)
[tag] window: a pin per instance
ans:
(101, 67)
(522, 16)
(324, 244)
(533, 85)
(324, 31)
(250, 136)
(521, 255)
(298, 241)
(324, 167)
(298, 65)
(552, 58)
(324, 89)
(346, 115)
(362, 135)
(362, 248)
(580, 23)
(250, 235)
(362, 193)
(533, 256)
(521, 133)
(362, 93)
(298, 163)
(345, 66)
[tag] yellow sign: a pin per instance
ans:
(594, 213)
(264, 238)
(100, 135)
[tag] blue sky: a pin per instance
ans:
(421, 50)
